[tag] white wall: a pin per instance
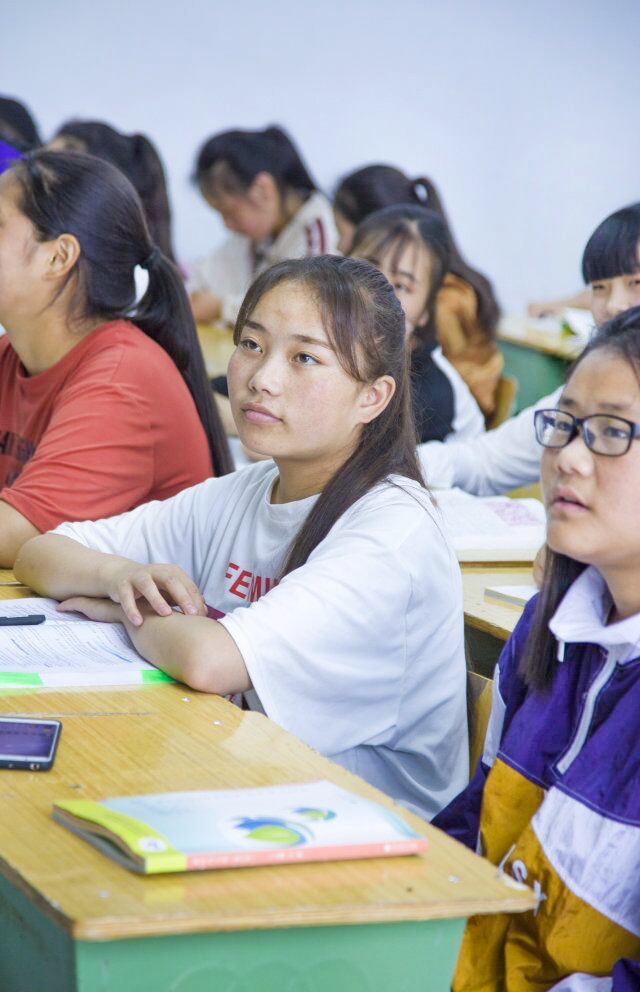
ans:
(523, 111)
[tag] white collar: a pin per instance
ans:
(581, 618)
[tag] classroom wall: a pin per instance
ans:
(525, 114)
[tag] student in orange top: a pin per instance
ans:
(104, 401)
(466, 311)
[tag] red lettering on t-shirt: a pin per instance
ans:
(246, 585)
(240, 583)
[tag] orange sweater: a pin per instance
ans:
(464, 342)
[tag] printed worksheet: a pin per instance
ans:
(67, 649)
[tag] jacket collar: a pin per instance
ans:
(581, 618)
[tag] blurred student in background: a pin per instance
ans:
(510, 455)
(258, 183)
(104, 401)
(18, 132)
(134, 155)
(411, 247)
(466, 312)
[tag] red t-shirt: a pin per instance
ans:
(109, 426)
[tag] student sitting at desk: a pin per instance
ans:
(339, 596)
(509, 456)
(97, 414)
(465, 313)
(410, 245)
(259, 184)
(556, 798)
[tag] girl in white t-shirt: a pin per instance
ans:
(337, 597)
(412, 247)
(258, 183)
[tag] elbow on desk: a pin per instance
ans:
(206, 668)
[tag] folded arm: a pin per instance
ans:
(15, 529)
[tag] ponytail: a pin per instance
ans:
(91, 199)
(376, 186)
(137, 157)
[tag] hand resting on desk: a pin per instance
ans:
(191, 648)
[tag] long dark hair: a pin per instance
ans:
(365, 324)
(619, 337)
(393, 228)
(612, 249)
(134, 155)
(73, 193)
(377, 186)
(231, 160)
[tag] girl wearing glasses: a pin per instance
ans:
(556, 797)
(509, 456)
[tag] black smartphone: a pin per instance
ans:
(29, 744)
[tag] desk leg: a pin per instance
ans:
(388, 957)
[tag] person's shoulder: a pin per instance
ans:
(6, 351)
(315, 217)
(400, 506)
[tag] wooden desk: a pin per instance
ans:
(538, 359)
(217, 346)
(10, 588)
(487, 623)
(74, 920)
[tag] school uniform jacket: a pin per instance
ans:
(556, 803)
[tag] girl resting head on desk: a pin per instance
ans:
(412, 247)
(556, 798)
(258, 183)
(465, 313)
(338, 597)
(104, 401)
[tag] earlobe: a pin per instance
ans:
(376, 397)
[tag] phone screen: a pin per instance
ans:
(28, 743)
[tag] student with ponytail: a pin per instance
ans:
(466, 313)
(337, 595)
(134, 155)
(258, 183)
(104, 401)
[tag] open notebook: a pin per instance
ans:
(67, 650)
(494, 528)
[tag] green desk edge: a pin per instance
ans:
(385, 957)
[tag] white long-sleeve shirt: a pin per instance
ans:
(495, 462)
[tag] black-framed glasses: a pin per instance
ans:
(602, 434)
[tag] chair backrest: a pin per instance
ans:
(478, 710)
(506, 392)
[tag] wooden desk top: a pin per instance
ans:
(498, 619)
(168, 738)
(217, 346)
(526, 332)
(10, 588)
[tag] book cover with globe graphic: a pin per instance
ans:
(280, 824)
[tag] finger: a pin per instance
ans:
(93, 609)
(185, 594)
(127, 599)
(143, 583)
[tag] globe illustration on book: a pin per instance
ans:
(273, 830)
